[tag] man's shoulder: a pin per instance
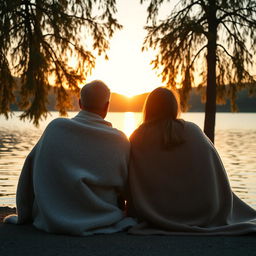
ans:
(113, 133)
(64, 122)
(58, 121)
(119, 134)
(57, 124)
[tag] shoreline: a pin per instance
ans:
(6, 210)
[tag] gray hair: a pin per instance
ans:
(95, 95)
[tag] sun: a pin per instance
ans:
(126, 76)
(129, 95)
(128, 70)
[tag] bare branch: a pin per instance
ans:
(198, 53)
(225, 50)
(237, 13)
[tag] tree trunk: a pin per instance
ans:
(210, 105)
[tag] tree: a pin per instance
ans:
(217, 36)
(38, 37)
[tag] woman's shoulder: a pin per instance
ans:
(195, 133)
(191, 126)
(144, 132)
(136, 132)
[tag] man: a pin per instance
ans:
(72, 179)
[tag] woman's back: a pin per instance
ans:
(182, 186)
(173, 180)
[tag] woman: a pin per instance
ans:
(177, 181)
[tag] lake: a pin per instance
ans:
(235, 142)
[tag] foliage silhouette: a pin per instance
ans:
(37, 37)
(213, 38)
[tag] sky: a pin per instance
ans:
(128, 70)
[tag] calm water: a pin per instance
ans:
(235, 142)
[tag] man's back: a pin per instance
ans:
(79, 167)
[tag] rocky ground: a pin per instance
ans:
(6, 211)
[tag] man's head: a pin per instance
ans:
(94, 97)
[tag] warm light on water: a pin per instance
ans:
(235, 142)
(129, 123)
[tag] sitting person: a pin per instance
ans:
(178, 184)
(72, 179)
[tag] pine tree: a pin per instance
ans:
(37, 37)
(215, 38)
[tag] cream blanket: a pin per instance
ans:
(185, 190)
(71, 180)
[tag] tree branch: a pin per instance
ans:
(224, 49)
(197, 54)
(237, 14)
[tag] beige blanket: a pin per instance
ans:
(71, 180)
(184, 190)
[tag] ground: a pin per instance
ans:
(25, 240)
(5, 211)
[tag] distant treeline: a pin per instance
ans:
(244, 102)
(120, 103)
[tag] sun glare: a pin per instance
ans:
(129, 95)
(128, 70)
(125, 74)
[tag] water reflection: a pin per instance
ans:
(129, 123)
(236, 146)
(237, 149)
(15, 144)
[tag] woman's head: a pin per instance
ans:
(161, 111)
(161, 104)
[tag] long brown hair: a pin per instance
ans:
(162, 108)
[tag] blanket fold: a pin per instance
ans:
(185, 189)
(71, 180)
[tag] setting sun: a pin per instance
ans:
(128, 70)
